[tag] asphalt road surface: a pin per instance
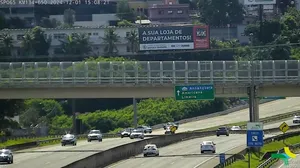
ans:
(185, 154)
(56, 156)
(265, 110)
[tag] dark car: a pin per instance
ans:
(222, 131)
(169, 124)
(69, 139)
(6, 156)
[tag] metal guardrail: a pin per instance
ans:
(237, 156)
(39, 74)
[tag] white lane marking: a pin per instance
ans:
(172, 162)
(47, 162)
(64, 157)
(214, 157)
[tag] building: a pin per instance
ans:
(95, 33)
(58, 34)
(169, 12)
(86, 14)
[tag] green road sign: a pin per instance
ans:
(270, 98)
(194, 92)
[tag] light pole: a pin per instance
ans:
(134, 113)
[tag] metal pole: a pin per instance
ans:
(249, 158)
(74, 115)
(260, 21)
(134, 113)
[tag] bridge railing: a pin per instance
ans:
(149, 72)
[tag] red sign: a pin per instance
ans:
(201, 37)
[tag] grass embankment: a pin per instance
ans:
(21, 141)
(255, 158)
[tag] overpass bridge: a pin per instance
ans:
(146, 79)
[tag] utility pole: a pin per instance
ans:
(74, 115)
(260, 21)
(134, 113)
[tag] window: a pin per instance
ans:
(20, 36)
(170, 12)
(95, 34)
(127, 34)
(89, 34)
(180, 12)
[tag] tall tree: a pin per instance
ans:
(124, 12)
(9, 108)
(77, 44)
(110, 39)
(69, 17)
(133, 41)
(28, 44)
(221, 12)
(41, 42)
(6, 44)
(40, 111)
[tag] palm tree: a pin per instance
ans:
(110, 39)
(133, 41)
(28, 44)
(6, 43)
(76, 44)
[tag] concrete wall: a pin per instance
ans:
(128, 91)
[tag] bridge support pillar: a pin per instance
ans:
(135, 119)
(74, 115)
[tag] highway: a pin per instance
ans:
(56, 156)
(265, 110)
(185, 154)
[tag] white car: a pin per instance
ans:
(95, 135)
(150, 150)
(235, 128)
(296, 120)
(137, 133)
(208, 146)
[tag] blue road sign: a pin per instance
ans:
(222, 158)
(255, 138)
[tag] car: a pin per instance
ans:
(206, 146)
(126, 132)
(69, 139)
(235, 128)
(6, 155)
(296, 120)
(222, 131)
(94, 135)
(170, 124)
(137, 133)
(147, 129)
(150, 150)
(170, 130)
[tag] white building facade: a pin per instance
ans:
(57, 34)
